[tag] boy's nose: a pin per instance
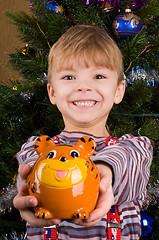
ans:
(84, 89)
(84, 86)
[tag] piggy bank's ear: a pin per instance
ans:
(87, 145)
(42, 143)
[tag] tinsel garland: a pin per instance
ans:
(14, 236)
(136, 4)
(6, 196)
(152, 197)
(138, 73)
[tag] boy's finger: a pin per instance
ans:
(105, 183)
(23, 188)
(24, 170)
(22, 202)
(85, 223)
(106, 200)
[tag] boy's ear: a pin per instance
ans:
(51, 93)
(120, 92)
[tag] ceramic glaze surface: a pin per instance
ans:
(64, 179)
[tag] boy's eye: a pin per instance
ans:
(100, 76)
(68, 77)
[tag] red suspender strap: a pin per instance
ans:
(113, 221)
(51, 233)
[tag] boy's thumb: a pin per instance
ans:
(104, 184)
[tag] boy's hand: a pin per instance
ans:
(25, 202)
(105, 200)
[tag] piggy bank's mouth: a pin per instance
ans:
(61, 175)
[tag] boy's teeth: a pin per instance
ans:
(84, 103)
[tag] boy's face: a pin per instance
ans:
(85, 95)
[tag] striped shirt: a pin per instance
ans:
(130, 158)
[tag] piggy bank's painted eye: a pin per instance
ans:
(74, 154)
(51, 154)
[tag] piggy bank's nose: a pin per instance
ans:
(63, 159)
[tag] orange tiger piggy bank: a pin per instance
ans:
(64, 179)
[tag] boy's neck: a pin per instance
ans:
(92, 131)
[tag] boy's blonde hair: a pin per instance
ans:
(89, 42)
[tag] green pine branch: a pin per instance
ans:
(149, 11)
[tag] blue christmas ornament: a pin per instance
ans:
(147, 223)
(54, 6)
(127, 24)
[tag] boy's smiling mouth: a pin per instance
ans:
(84, 103)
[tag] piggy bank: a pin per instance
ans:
(64, 179)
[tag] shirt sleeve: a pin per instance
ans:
(27, 154)
(130, 159)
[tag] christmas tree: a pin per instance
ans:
(25, 107)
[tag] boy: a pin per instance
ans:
(85, 79)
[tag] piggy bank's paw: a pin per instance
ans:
(43, 213)
(81, 214)
(33, 187)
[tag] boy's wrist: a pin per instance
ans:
(101, 165)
